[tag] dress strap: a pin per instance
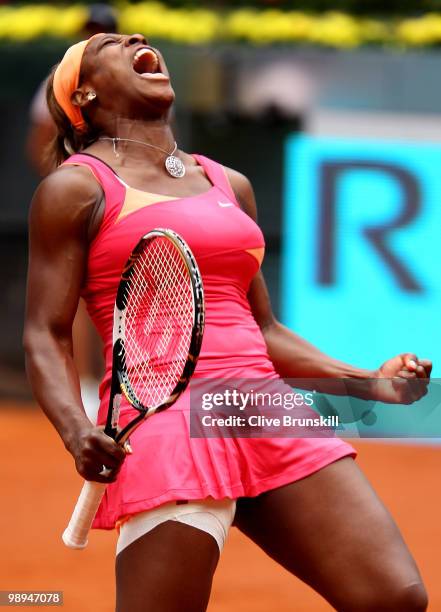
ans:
(218, 176)
(113, 188)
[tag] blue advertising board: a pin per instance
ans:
(361, 255)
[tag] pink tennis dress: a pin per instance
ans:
(167, 464)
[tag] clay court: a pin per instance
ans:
(39, 488)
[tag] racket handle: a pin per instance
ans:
(76, 533)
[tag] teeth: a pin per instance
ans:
(145, 51)
(141, 52)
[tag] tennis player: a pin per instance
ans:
(303, 501)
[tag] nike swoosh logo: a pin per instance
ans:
(225, 204)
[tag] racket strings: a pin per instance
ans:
(158, 322)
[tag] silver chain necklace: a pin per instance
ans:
(173, 164)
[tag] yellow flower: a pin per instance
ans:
(180, 25)
(337, 30)
(29, 22)
(70, 21)
(375, 31)
(420, 32)
(5, 17)
(269, 26)
(238, 24)
(146, 18)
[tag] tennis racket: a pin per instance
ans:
(157, 335)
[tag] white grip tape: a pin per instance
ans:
(76, 533)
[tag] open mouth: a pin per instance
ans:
(146, 62)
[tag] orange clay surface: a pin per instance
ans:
(39, 486)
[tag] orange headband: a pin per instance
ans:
(66, 79)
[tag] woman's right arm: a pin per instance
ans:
(60, 227)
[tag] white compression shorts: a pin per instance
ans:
(210, 515)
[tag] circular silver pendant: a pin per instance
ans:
(174, 166)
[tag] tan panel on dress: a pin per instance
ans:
(136, 199)
(257, 253)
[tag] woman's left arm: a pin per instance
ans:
(294, 357)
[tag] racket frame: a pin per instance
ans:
(120, 381)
